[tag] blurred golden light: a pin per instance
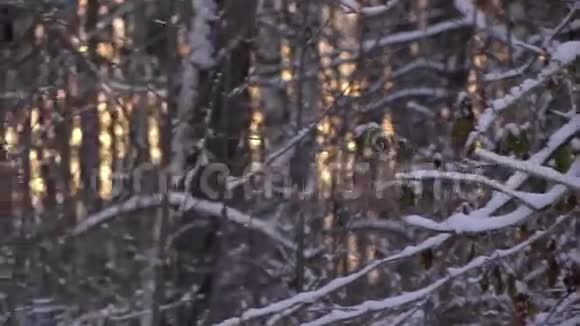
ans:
(351, 145)
(119, 131)
(346, 69)
(105, 139)
(480, 60)
(326, 176)
(34, 119)
(75, 162)
(47, 153)
(472, 88)
(105, 50)
(106, 182)
(255, 92)
(36, 182)
(153, 137)
(121, 150)
(119, 31)
(352, 248)
(156, 156)
(324, 126)
(105, 171)
(286, 75)
(105, 148)
(255, 142)
(32, 156)
(37, 186)
(325, 49)
(10, 139)
(388, 126)
(77, 137)
(258, 117)
(105, 118)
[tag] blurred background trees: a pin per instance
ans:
(387, 162)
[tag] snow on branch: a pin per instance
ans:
(107, 214)
(121, 86)
(403, 317)
(186, 202)
(536, 170)
(379, 225)
(556, 140)
(475, 223)
(562, 306)
(500, 75)
(280, 156)
(352, 7)
(498, 31)
(419, 64)
(480, 220)
(405, 37)
(565, 54)
(409, 92)
(272, 159)
(524, 197)
(373, 306)
(571, 15)
(574, 321)
(338, 283)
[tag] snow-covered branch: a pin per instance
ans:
(185, 202)
(543, 172)
(373, 306)
(524, 197)
(476, 222)
(571, 15)
(410, 36)
(353, 7)
(384, 225)
(338, 283)
(481, 220)
(561, 307)
(419, 64)
(573, 321)
(565, 54)
(500, 75)
(498, 31)
(272, 159)
(404, 93)
(557, 139)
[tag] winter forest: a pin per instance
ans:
(289, 162)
